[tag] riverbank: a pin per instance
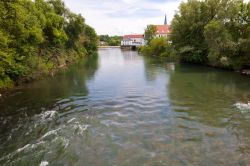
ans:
(109, 46)
(40, 44)
(35, 76)
(41, 76)
(245, 72)
(161, 48)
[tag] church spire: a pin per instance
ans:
(165, 21)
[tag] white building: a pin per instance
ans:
(133, 40)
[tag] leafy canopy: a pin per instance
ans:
(38, 36)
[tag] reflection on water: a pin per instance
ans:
(124, 109)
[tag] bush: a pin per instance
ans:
(158, 47)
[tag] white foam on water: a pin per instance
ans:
(44, 163)
(48, 115)
(243, 107)
(62, 141)
(71, 120)
(24, 149)
(52, 132)
(29, 147)
(66, 142)
(44, 117)
(80, 128)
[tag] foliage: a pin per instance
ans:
(150, 32)
(90, 39)
(157, 47)
(110, 40)
(160, 47)
(214, 32)
(39, 36)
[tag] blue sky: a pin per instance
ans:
(119, 17)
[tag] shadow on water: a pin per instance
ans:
(205, 117)
(208, 96)
(42, 95)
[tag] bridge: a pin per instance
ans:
(131, 46)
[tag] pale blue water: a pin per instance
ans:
(124, 109)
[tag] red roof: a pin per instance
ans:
(133, 36)
(163, 29)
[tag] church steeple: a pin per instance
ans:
(165, 21)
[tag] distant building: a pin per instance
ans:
(139, 40)
(163, 30)
(133, 40)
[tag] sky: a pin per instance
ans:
(120, 17)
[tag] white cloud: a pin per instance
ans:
(119, 17)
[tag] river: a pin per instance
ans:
(122, 109)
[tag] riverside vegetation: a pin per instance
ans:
(210, 32)
(38, 37)
(110, 40)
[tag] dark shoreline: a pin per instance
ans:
(244, 72)
(5, 92)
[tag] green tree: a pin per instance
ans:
(220, 43)
(187, 31)
(214, 32)
(150, 33)
(157, 47)
(73, 28)
(39, 36)
(110, 40)
(91, 39)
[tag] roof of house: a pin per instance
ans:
(163, 29)
(133, 36)
(126, 39)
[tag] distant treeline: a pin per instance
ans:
(214, 32)
(110, 40)
(38, 36)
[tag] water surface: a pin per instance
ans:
(120, 108)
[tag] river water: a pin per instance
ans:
(122, 109)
